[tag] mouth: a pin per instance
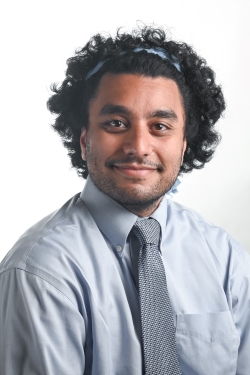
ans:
(135, 170)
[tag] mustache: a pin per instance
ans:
(110, 163)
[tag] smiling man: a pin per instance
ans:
(122, 280)
(135, 141)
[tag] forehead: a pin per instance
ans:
(138, 93)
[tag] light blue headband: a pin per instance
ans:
(156, 51)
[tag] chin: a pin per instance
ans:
(136, 195)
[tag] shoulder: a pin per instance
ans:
(43, 246)
(213, 245)
(179, 210)
(218, 240)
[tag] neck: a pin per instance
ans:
(143, 210)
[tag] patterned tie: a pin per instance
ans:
(158, 332)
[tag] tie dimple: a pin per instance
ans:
(147, 232)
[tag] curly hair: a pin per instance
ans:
(202, 99)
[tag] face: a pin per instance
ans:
(135, 141)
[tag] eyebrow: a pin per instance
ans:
(111, 109)
(164, 113)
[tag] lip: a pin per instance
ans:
(135, 170)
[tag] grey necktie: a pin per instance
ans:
(158, 332)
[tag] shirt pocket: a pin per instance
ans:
(207, 343)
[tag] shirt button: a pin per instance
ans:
(119, 248)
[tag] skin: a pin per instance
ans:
(135, 142)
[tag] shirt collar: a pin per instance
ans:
(115, 221)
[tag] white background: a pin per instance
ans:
(38, 37)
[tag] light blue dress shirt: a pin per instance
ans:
(69, 302)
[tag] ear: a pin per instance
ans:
(184, 149)
(83, 143)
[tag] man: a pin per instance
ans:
(121, 280)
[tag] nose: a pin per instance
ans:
(138, 141)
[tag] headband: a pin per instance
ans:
(156, 51)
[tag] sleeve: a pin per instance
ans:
(41, 330)
(239, 292)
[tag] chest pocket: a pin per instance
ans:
(207, 343)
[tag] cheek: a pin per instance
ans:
(171, 150)
(107, 145)
(98, 149)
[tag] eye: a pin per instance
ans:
(114, 126)
(160, 127)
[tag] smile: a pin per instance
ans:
(135, 171)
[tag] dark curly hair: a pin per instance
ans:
(202, 99)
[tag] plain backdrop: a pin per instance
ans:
(36, 40)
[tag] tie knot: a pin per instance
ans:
(147, 231)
